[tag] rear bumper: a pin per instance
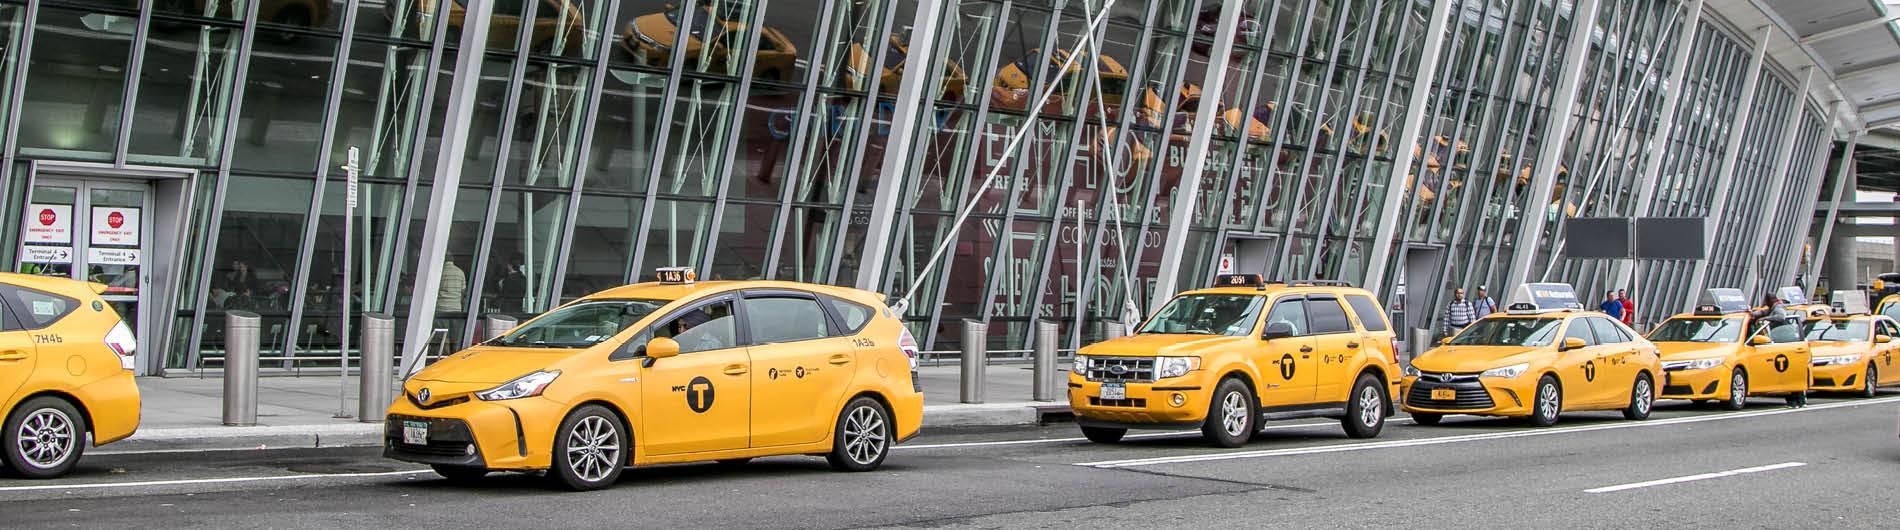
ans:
(907, 409)
(112, 403)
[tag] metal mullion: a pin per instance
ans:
(1817, 165)
(1251, 102)
(1396, 206)
(485, 241)
(398, 246)
(129, 100)
(732, 141)
(1372, 156)
(1281, 115)
(677, 63)
(1335, 185)
(1842, 177)
(1086, 284)
(1006, 231)
(1446, 167)
(1530, 228)
(1607, 66)
(590, 112)
(796, 160)
(9, 138)
(1732, 151)
(333, 102)
(1167, 121)
(215, 217)
(854, 166)
(1470, 222)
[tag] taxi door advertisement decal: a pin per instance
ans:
(699, 394)
(1286, 366)
(1781, 362)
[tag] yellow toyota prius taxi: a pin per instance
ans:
(1718, 353)
(1854, 353)
(1544, 355)
(666, 372)
(1228, 358)
(65, 373)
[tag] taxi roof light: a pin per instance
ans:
(1536, 298)
(1849, 303)
(1792, 295)
(676, 275)
(1722, 301)
(1241, 280)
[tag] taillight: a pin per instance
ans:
(121, 341)
(1395, 349)
(908, 343)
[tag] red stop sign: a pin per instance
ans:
(47, 217)
(115, 219)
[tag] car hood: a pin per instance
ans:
(1832, 348)
(1157, 344)
(1676, 351)
(1472, 359)
(492, 365)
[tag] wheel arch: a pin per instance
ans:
(626, 424)
(62, 395)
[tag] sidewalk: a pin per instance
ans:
(186, 413)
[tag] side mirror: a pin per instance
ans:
(662, 347)
(1278, 330)
(1572, 343)
(1882, 339)
(1759, 340)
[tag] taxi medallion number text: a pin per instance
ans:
(415, 432)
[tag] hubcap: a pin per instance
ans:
(1870, 379)
(593, 448)
(1738, 390)
(1547, 401)
(46, 438)
(1642, 396)
(864, 438)
(1233, 414)
(1370, 407)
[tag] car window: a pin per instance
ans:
(1325, 315)
(7, 321)
(1785, 331)
(1579, 329)
(1207, 314)
(705, 328)
(784, 319)
(853, 315)
(36, 309)
(1291, 311)
(1368, 312)
(1606, 331)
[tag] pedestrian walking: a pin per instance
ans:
(1458, 314)
(1629, 307)
(1611, 306)
(1482, 304)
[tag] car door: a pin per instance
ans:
(1772, 367)
(1581, 369)
(1286, 363)
(1335, 345)
(1619, 354)
(801, 367)
(1885, 352)
(16, 354)
(700, 400)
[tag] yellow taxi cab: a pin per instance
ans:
(667, 372)
(1854, 353)
(65, 373)
(1543, 356)
(1797, 302)
(1228, 358)
(1720, 353)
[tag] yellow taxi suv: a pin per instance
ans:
(1854, 353)
(667, 372)
(1719, 353)
(65, 373)
(1543, 356)
(1230, 358)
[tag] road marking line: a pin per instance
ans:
(1693, 478)
(1468, 437)
(206, 481)
(1168, 434)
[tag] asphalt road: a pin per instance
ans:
(1834, 464)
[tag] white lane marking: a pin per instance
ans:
(1468, 437)
(1693, 478)
(1169, 434)
(226, 480)
(226, 449)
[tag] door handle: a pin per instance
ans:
(840, 359)
(1306, 349)
(737, 369)
(12, 355)
(1352, 345)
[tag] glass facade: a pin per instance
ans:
(749, 139)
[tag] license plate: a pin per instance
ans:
(1444, 394)
(1114, 391)
(415, 432)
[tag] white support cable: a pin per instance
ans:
(1095, 21)
(1131, 311)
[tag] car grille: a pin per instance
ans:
(1131, 403)
(1471, 393)
(1673, 390)
(1120, 369)
(447, 437)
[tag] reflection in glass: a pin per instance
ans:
(74, 95)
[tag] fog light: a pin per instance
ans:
(470, 451)
(1178, 399)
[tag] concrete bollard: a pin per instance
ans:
(1046, 374)
(976, 336)
(379, 347)
(496, 324)
(1113, 329)
(240, 368)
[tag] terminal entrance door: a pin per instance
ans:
(92, 230)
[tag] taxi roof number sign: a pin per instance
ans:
(1792, 295)
(1850, 303)
(1240, 280)
(1722, 301)
(675, 275)
(1532, 298)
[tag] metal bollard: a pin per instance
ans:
(496, 324)
(240, 368)
(1046, 382)
(1421, 343)
(1113, 329)
(379, 347)
(976, 336)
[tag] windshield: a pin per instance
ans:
(1698, 330)
(579, 325)
(1836, 330)
(1207, 314)
(1509, 332)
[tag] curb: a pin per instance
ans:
(994, 414)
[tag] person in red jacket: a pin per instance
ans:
(1629, 307)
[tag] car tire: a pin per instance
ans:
(1427, 418)
(456, 473)
(1365, 408)
(1642, 398)
(862, 437)
(54, 433)
(1870, 382)
(1548, 404)
(1737, 400)
(1104, 435)
(1230, 415)
(734, 462)
(590, 449)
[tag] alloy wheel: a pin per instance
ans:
(1643, 397)
(593, 448)
(864, 435)
(46, 438)
(1547, 401)
(1371, 408)
(1233, 414)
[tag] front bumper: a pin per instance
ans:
(1707, 383)
(1476, 396)
(514, 434)
(1840, 376)
(1148, 405)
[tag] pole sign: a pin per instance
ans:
(349, 188)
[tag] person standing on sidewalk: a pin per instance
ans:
(1611, 306)
(1629, 307)
(1482, 304)
(1458, 314)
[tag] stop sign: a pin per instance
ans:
(115, 220)
(47, 217)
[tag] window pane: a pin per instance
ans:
(1327, 316)
(381, 106)
(852, 314)
(709, 327)
(73, 97)
(1368, 311)
(527, 233)
(184, 94)
(280, 126)
(1578, 329)
(784, 319)
(624, 131)
(1291, 312)
(603, 245)
(1606, 331)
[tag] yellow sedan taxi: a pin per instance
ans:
(1544, 355)
(1719, 353)
(1854, 353)
(1797, 302)
(667, 372)
(65, 373)
(1228, 358)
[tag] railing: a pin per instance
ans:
(950, 357)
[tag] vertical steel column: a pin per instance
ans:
(1841, 178)
(1811, 196)
(1654, 152)
(1181, 218)
(448, 178)
(1384, 238)
(1777, 185)
(1530, 227)
(1725, 176)
(912, 103)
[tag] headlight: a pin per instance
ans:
(1506, 372)
(1409, 371)
(1081, 365)
(1837, 359)
(1166, 367)
(1693, 364)
(525, 386)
